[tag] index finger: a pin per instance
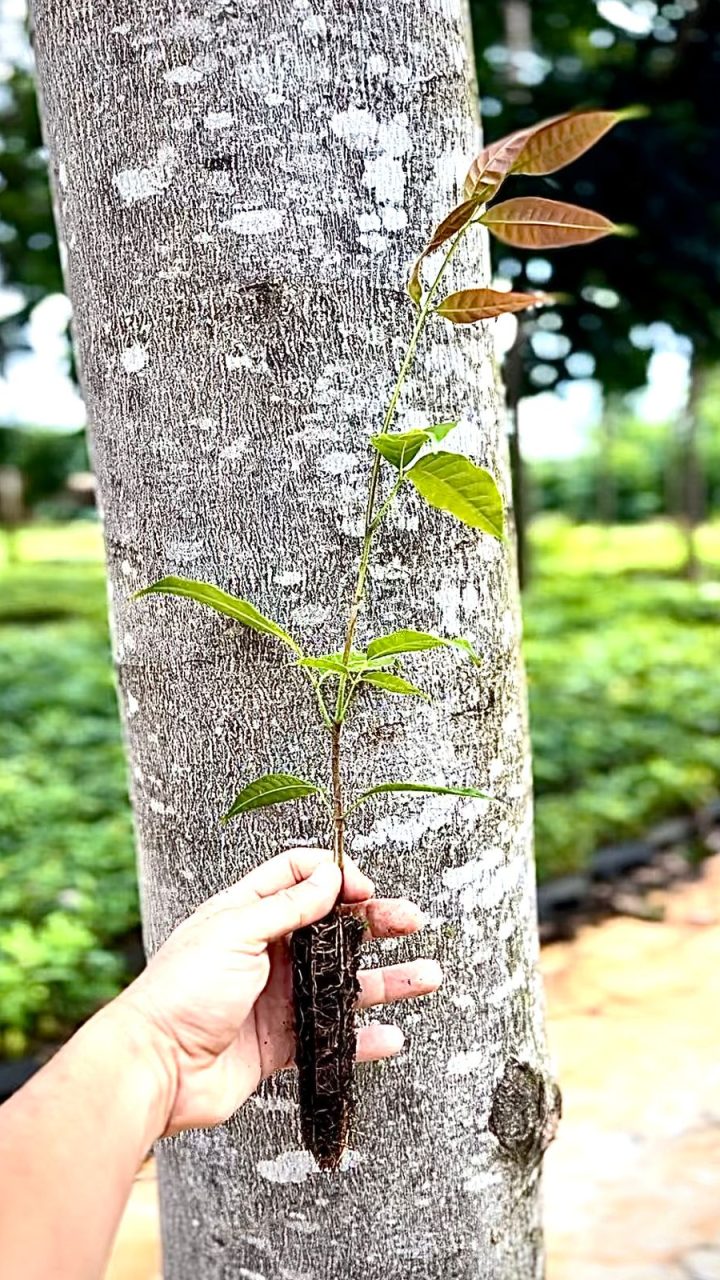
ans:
(282, 872)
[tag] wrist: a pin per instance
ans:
(149, 1066)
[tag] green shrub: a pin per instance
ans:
(67, 879)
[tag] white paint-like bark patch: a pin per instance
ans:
(338, 463)
(272, 1103)
(356, 127)
(296, 1166)
(369, 222)
(314, 25)
(377, 65)
(242, 1273)
(394, 219)
(131, 704)
(481, 1181)
(462, 1064)
(218, 120)
(133, 359)
(374, 242)
(236, 448)
(133, 185)
(311, 615)
(469, 873)
(255, 222)
(183, 75)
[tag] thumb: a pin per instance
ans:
(288, 909)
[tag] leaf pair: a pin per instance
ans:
(279, 788)
(447, 481)
(384, 652)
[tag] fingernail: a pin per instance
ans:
(394, 1039)
(431, 973)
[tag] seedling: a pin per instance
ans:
(326, 955)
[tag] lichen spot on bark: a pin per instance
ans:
(525, 1111)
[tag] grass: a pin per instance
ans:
(625, 708)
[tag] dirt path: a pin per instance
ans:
(632, 1185)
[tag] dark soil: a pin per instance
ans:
(325, 960)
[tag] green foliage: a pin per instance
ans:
(29, 260)
(271, 788)
(454, 484)
(631, 469)
(625, 705)
(68, 895)
(386, 788)
(389, 683)
(401, 447)
(221, 602)
(414, 642)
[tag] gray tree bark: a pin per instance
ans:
(240, 187)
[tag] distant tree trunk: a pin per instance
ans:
(607, 505)
(692, 485)
(240, 188)
(513, 371)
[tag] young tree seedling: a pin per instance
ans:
(325, 955)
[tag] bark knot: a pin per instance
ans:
(525, 1112)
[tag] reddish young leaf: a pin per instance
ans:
(556, 143)
(470, 305)
(445, 230)
(544, 147)
(531, 222)
(495, 162)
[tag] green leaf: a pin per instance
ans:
(272, 788)
(394, 684)
(414, 642)
(328, 662)
(231, 606)
(401, 447)
(453, 483)
(414, 284)
(384, 787)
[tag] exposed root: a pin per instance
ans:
(325, 960)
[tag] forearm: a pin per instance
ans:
(71, 1142)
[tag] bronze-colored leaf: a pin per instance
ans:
(557, 142)
(444, 231)
(532, 222)
(495, 162)
(470, 305)
(414, 284)
(544, 147)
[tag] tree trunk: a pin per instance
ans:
(513, 370)
(607, 496)
(692, 482)
(240, 187)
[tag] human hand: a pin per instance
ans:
(216, 999)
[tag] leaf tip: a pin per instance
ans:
(626, 230)
(638, 111)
